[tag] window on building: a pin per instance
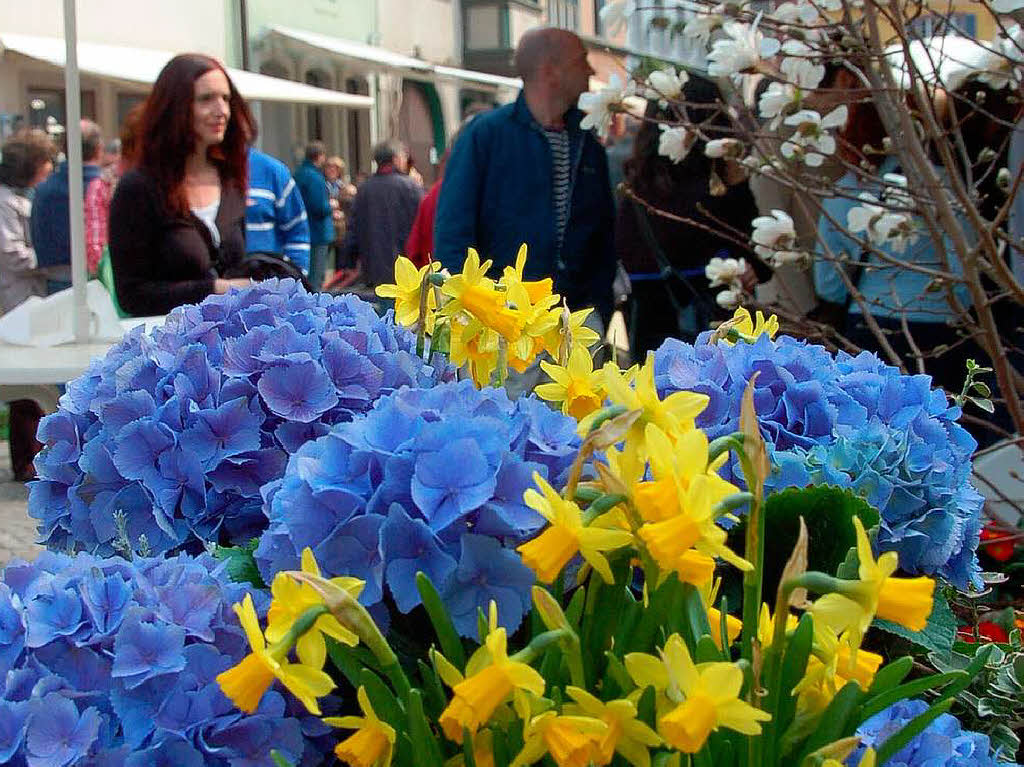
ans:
(933, 25)
(125, 103)
(314, 113)
(564, 14)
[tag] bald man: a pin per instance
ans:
(526, 172)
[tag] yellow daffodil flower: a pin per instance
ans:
(476, 295)
(576, 333)
(702, 697)
(766, 625)
(572, 741)
(626, 735)
(549, 552)
(373, 742)
(512, 276)
(693, 527)
(292, 599)
(834, 663)
(491, 677)
(475, 347)
(406, 292)
(576, 387)
(674, 415)
(906, 601)
(246, 683)
(867, 760)
(745, 325)
(674, 466)
(733, 625)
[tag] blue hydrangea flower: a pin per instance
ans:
(116, 665)
(429, 480)
(179, 429)
(943, 743)
(854, 422)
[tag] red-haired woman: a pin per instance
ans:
(177, 219)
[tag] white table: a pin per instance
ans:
(32, 372)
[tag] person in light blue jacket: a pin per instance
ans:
(275, 216)
(894, 295)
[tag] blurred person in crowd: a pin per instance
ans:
(341, 194)
(665, 258)
(420, 245)
(27, 159)
(526, 172)
(177, 219)
(51, 216)
(111, 155)
(312, 183)
(413, 173)
(275, 216)
(900, 300)
(382, 216)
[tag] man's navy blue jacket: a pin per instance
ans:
(51, 219)
(497, 194)
(312, 186)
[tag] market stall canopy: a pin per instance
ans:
(142, 65)
(381, 57)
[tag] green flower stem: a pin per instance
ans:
(718, 446)
(539, 644)
(298, 629)
(731, 503)
(421, 318)
(502, 362)
(602, 505)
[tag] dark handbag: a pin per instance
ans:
(265, 266)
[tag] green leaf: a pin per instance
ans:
(574, 611)
(350, 661)
(707, 650)
(877, 703)
(828, 513)
(241, 565)
(645, 707)
(984, 404)
(937, 636)
(424, 743)
(836, 720)
(912, 729)
(891, 675)
(794, 666)
(447, 636)
(616, 674)
(384, 702)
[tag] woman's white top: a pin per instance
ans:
(208, 215)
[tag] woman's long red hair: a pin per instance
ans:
(166, 138)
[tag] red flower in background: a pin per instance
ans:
(1000, 550)
(987, 630)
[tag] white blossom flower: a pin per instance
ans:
(775, 102)
(729, 298)
(742, 49)
(600, 105)
(774, 237)
(724, 147)
(799, 65)
(615, 15)
(811, 141)
(795, 13)
(665, 84)
(675, 142)
(704, 23)
(883, 227)
(725, 271)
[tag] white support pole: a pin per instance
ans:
(73, 133)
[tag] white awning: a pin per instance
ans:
(142, 65)
(381, 57)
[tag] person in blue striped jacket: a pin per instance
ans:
(275, 216)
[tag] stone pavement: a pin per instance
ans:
(17, 529)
